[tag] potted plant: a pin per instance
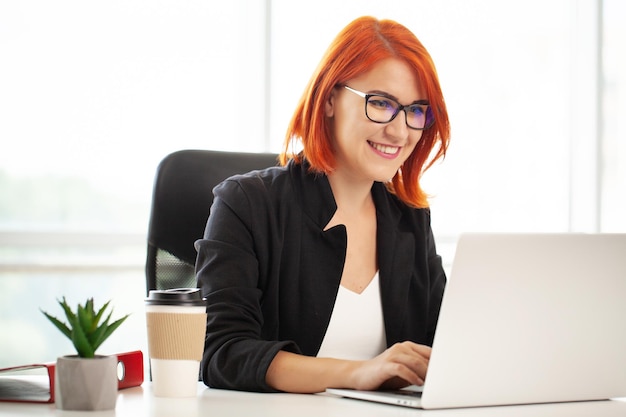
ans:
(86, 381)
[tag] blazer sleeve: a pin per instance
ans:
(227, 269)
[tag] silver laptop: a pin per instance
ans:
(527, 318)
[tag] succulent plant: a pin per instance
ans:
(84, 328)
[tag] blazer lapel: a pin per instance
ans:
(396, 252)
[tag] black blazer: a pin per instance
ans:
(270, 272)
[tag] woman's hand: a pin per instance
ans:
(400, 365)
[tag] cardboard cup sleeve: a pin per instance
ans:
(176, 336)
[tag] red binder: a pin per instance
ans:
(35, 382)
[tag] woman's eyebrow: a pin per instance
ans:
(383, 93)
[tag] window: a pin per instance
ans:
(94, 95)
(612, 110)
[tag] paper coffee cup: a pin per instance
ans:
(176, 324)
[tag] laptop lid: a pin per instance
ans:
(530, 318)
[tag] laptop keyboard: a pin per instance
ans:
(408, 393)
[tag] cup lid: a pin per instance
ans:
(176, 296)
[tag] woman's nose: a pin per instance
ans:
(397, 129)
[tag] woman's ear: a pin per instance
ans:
(329, 106)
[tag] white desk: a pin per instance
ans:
(139, 401)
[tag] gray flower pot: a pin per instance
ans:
(85, 384)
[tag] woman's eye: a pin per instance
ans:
(417, 110)
(381, 103)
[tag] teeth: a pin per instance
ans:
(390, 150)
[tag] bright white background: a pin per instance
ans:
(94, 94)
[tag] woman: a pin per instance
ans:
(323, 272)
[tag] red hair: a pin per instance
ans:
(357, 48)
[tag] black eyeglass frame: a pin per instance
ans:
(429, 116)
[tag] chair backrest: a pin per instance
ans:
(181, 201)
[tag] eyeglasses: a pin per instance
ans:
(382, 109)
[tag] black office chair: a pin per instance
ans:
(181, 199)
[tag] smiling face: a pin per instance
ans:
(365, 150)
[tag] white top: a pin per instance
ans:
(356, 330)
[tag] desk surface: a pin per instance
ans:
(139, 401)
